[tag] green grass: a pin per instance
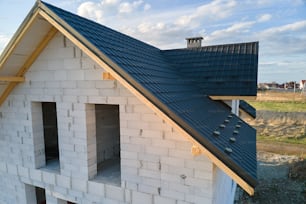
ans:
(279, 106)
(300, 140)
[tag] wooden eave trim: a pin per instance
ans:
(30, 60)
(96, 54)
(24, 27)
(12, 79)
(233, 97)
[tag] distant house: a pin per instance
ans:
(90, 115)
(302, 84)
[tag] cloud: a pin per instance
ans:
(285, 40)
(91, 10)
(233, 33)
(213, 11)
(264, 18)
(146, 7)
(292, 27)
(127, 7)
(110, 9)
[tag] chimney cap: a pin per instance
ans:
(195, 38)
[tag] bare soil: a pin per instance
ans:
(281, 179)
(280, 124)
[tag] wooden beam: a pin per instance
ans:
(233, 97)
(24, 68)
(108, 76)
(12, 79)
(95, 56)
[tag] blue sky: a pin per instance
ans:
(278, 25)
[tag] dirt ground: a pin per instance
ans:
(281, 179)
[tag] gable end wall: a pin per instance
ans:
(156, 162)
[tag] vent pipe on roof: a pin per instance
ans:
(194, 42)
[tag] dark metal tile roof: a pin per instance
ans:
(220, 70)
(245, 106)
(148, 69)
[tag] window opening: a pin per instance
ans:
(50, 134)
(40, 195)
(108, 143)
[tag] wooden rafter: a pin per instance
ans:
(12, 79)
(96, 56)
(24, 68)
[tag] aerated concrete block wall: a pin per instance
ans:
(157, 166)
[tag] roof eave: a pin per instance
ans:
(8, 50)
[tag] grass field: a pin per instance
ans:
(286, 106)
(281, 102)
(300, 140)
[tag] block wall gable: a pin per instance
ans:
(156, 160)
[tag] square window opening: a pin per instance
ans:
(108, 143)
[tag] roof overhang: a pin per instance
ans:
(30, 39)
(23, 50)
(233, 97)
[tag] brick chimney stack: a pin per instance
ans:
(194, 42)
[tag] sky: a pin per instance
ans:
(278, 25)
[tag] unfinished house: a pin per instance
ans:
(90, 115)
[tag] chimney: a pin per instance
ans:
(194, 42)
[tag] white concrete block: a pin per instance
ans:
(63, 181)
(114, 192)
(48, 177)
(96, 188)
(152, 190)
(141, 198)
(3, 167)
(172, 194)
(93, 74)
(149, 173)
(197, 199)
(129, 155)
(162, 200)
(68, 84)
(200, 165)
(182, 202)
(172, 161)
(36, 174)
(79, 185)
(12, 169)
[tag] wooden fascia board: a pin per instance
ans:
(30, 60)
(98, 57)
(233, 97)
(26, 24)
(12, 79)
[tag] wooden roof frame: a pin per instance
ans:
(96, 55)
